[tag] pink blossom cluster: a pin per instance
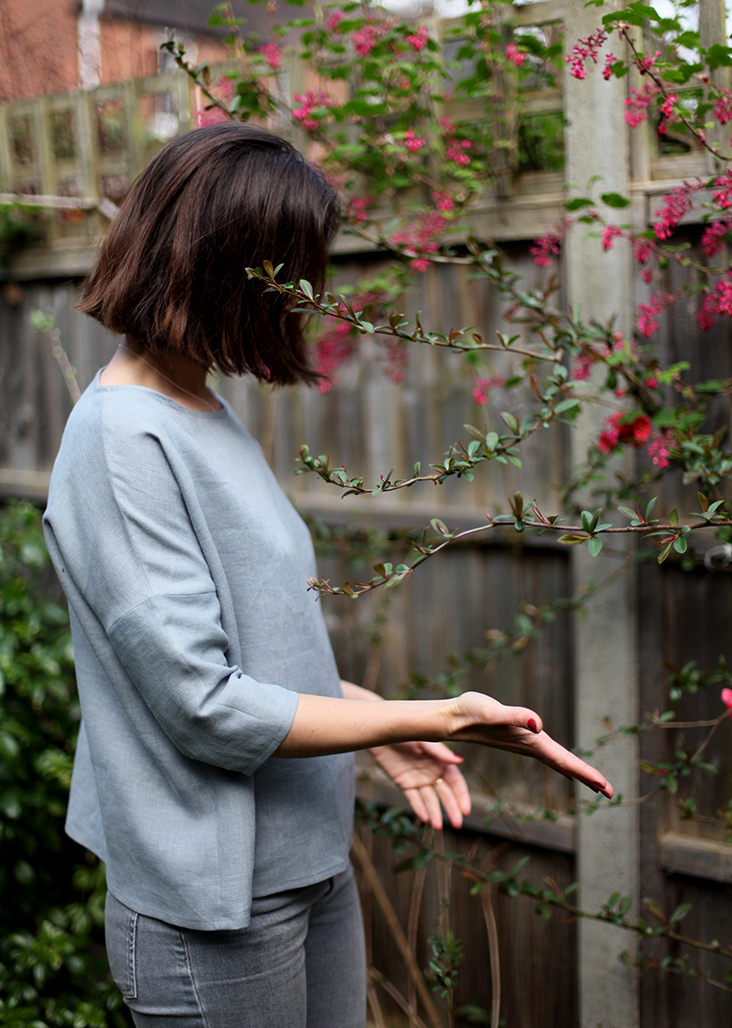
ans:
(419, 40)
(607, 70)
(668, 115)
(727, 699)
(609, 233)
(659, 447)
(647, 321)
(311, 101)
(582, 367)
(547, 245)
(413, 142)
(483, 386)
(619, 428)
(678, 203)
(713, 237)
(272, 55)
(456, 151)
(722, 109)
(334, 347)
(723, 194)
(705, 316)
(443, 201)
(583, 50)
(723, 297)
(423, 237)
(514, 55)
(366, 38)
(646, 63)
(637, 103)
(334, 20)
(356, 209)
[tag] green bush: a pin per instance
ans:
(53, 967)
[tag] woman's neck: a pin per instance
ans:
(181, 379)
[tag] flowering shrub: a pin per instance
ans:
(409, 168)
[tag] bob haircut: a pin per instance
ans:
(170, 272)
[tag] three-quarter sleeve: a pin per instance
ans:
(131, 560)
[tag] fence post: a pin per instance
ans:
(600, 285)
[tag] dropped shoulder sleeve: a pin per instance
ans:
(185, 568)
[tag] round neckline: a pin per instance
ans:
(168, 400)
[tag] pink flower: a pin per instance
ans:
(272, 55)
(334, 21)
(422, 237)
(335, 346)
(514, 55)
(546, 245)
(583, 50)
(647, 322)
(607, 71)
(446, 125)
(646, 274)
(705, 316)
(658, 449)
(368, 36)
(356, 209)
(642, 251)
(723, 196)
(443, 201)
(652, 382)
(726, 697)
(638, 102)
(456, 151)
(609, 233)
(723, 297)
(678, 203)
(713, 237)
(668, 114)
(621, 430)
(722, 109)
(419, 39)
(582, 367)
(412, 142)
(311, 101)
(483, 386)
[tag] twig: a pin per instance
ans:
(379, 893)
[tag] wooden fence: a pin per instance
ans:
(615, 662)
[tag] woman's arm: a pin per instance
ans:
(324, 725)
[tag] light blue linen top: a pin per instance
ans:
(186, 569)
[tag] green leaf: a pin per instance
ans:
(511, 421)
(680, 544)
(664, 553)
(594, 545)
(615, 200)
(680, 913)
(572, 539)
(304, 285)
(577, 203)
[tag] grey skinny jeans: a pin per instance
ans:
(300, 963)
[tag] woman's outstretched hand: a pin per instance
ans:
(519, 730)
(427, 770)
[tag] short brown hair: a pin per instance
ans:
(170, 272)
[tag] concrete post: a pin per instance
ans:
(605, 644)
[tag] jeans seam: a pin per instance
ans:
(189, 968)
(132, 954)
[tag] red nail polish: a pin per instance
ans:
(532, 724)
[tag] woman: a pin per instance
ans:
(204, 668)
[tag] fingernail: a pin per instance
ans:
(532, 725)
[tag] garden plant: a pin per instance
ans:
(379, 118)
